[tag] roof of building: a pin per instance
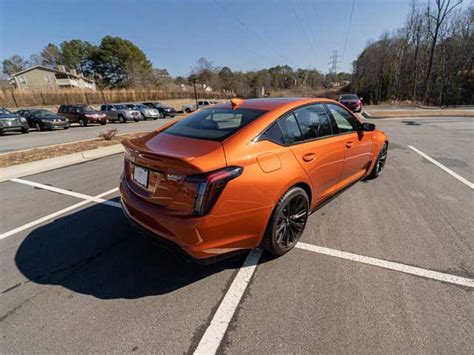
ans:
(42, 67)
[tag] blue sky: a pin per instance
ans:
(241, 34)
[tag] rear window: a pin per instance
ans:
(214, 124)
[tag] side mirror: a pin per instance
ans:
(367, 127)
(361, 98)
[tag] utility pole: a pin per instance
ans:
(195, 93)
(334, 61)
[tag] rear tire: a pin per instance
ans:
(25, 131)
(121, 119)
(82, 123)
(38, 127)
(379, 163)
(287, 222)
(103, 123)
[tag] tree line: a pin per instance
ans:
(115, 62)
(278, 79)
(428, 60)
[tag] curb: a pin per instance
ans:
(39, 166)
(425, 115)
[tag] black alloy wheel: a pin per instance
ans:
(287, 222)
(380, 163)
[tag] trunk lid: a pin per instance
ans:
(168, 159)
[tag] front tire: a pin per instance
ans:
(25, 131)
(380, 163)
(39, 128)
(121, 119)
(82, 123)
(287, 222)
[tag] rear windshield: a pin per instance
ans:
(214, 124)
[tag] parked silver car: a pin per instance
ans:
(12, 122)
(121, 113)
(147, 112)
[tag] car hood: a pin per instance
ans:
(7, 117)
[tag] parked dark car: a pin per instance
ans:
(11, 122)
(352, 102)
(163, 110)
(82, 114)
(43, 119)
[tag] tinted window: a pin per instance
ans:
(290, 129)
(214, 124)
(344, 120)
(103, 108)
(273, 134)
(313, 121)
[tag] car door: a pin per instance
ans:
(358, 144)
(309, 133)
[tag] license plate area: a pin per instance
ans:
(140, 176)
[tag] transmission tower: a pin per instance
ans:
(334, 61)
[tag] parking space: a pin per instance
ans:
(396, 277)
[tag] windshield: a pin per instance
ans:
(121, 107)
(349, 97)
(43, 113)
(141, 107)
(4, 111)
(214, 124)
(87, 109)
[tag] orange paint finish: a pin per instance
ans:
(255, 173)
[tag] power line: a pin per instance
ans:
(256, 34)
(348, 28)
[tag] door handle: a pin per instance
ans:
(309, 156)
(349, 144)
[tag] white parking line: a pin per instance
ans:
(441, 166)
(66, 192)
(60, 212)
(214, 334)
(457, 280)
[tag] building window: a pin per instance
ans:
(22, 80)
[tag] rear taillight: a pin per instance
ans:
(209, 187)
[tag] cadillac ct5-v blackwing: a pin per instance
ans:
(246, 173)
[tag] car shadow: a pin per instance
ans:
(95, 252)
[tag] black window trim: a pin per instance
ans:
(331, 119)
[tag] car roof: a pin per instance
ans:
(273, 103)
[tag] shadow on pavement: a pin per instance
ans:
(95, 252)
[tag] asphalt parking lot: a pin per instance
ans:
(386, 267)
(13, 141)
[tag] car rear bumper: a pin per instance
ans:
(201, 238)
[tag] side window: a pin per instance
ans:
(344, 120)
(273, 134)
(103, 108)
(313, 121)
(290, 129)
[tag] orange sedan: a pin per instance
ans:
(246, 173)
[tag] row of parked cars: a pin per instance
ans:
(41, 119)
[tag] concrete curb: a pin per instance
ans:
(414, 114)
(40, 166)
